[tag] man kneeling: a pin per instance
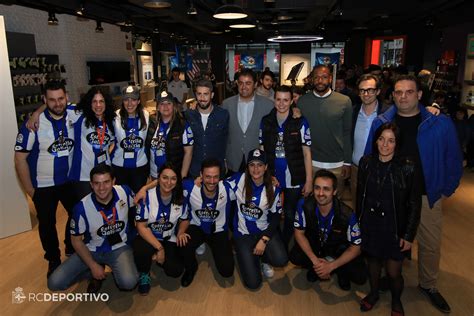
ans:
(99, 228)
(327, 235)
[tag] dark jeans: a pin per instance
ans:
(46, 202)
(220, 246)
(143, 251)
(290, 201)
(249, 264)
(355, 270)
(135, 178)
(80, 189)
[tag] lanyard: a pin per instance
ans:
(101, 134)
(324, 226)
(114, 213)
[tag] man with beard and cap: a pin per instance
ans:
(329, 114)
(210, 125)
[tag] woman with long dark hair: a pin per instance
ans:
(161, 223)
(131, 126)
(257, 240)
(388, 206)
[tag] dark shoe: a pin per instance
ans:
(94, 286)
(383, 284)
(311, 276)
(187, 278)
(397, 309)
(52, 265)
(436, 299)
(368, 302)
(344, 283)
(144, 284)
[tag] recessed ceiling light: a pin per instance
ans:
(294, 38)
(157, 4)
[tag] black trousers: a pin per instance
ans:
(355, 270)
(80, 189)
(290, 201)
(143, 253)
(220, 246)
(135, 178)
(46, 203)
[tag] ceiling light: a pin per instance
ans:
(52, 20)
(81, 9)
(192, 11)
(216, 32)
(242, 25)
(99, 28)
(157, 4)
(230, 12)
(294, 38)
(156, 30)
(284, 17)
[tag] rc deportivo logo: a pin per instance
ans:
(18, 296)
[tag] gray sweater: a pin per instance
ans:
(330, 121)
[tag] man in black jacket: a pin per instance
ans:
(327, 235)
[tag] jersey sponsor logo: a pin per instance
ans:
(66, 145)
(107, 230)
(161, 226)
(19, 138)
(18, 148)
(93, 139)
(132, 143)
(251, 211)
(207, 214)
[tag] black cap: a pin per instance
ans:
(257, 155)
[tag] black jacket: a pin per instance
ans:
(405, 179)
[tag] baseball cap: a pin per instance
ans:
(165, 96)
(257, 155)
(131, 92)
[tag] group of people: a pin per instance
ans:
(235, 170)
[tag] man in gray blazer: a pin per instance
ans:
(245, 113)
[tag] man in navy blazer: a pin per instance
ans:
(246, 110)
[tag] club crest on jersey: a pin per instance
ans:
(19, 138)
(93, 139)
(107, 230)
(207, 214)
(58, 146)
(251, 212)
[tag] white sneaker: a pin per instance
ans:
(267, 270)
(201, 249)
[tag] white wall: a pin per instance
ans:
(14, 214)
(76, 42)
(288, 61)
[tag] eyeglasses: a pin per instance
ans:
(408, 93)
(370, 91)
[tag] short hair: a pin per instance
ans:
(369, 76)
(317, 67)
(247, 72)
(324, 173)
(205, 83)
(391, 126)
(267, 73)
(297, 90)
(373, 67)
(53, 85)
(209, 163)
(175, 69)
(284, 89)
(102, 169)
(408, 78)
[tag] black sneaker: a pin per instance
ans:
(187, 278)
(311, 276)
(94, 286)
(436, 299)
(144, 284)
(52, 265)
(344, 283)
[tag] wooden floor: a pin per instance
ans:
(288, 293)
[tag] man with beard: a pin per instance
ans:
(265, 88)
(210, 125)
(42, 161)
(329, 115)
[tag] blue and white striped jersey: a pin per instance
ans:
(89, 219)
(157, 148)
(211, 215)
(50, 149)
(161, 218)
(92, 148)
(129, 149)
(252, 216)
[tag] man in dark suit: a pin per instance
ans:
(246, 110)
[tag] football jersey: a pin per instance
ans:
(282, 172)
(211, 215)
(50, 149)
(158, 146)
(92, 148)
(252, 216)
(98, 224)
(161, 218)
(129, 149)
(325, 223)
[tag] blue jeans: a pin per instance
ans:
(74, 269)
(249, 264)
